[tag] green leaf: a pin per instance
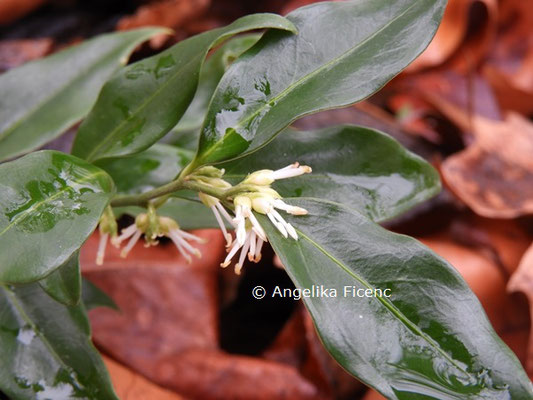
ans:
(64, 284)
(93, 296)
(50, 203)
(147, 170)
(344, 52)
(187, 132)
(145, 100)
(43, 98)
(352, 165)
(429, 340)
(46, 351)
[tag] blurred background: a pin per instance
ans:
(465, 105)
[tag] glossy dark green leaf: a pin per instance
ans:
(93, 296)
(43, 98)
(50, 203)
(45, 349)
(353, 165)
(147, 170)
(187, 132)
(344, 52)
(145, 100)
(429, 340)
(64, 284)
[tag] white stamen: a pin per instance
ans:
(240, 220)
(288, 227)
(190, 236)
(124, 234)
(101, 249)
(280, 227)
(178, 235)
(291, 171)
(251, 253)
(294, 210)
(230, 255)
(258, 247)
(244, 250)
(180, 248)
(131, 243)
(291, 231)
(227, 236)
(255, 223)
(225, 214)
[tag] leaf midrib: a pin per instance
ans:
(304, 79)
(391, 307)
(143, 105)
(38, 204)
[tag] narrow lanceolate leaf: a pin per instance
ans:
(43, 98)
(429, 340)
(46, 351)
(147, 170)
(50, 203)
(344, 52)
(187, 132)
(361, 167)
(143, 101)
(64, 284)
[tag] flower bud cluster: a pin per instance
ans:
(257, 196)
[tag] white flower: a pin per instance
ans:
(267, 176)
(265, 203)
(252, 245)
(158, 227)
(133, 233)
(219, 211)
(107, 227)
(243, 213)
(180, 237)
(101, 248)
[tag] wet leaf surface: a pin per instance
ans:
(351, 165)
(50, 204)
(45, 349)
(408, 348)
(128, 118)
(254, 102)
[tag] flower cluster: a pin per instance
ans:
(250, 236)
(153, 227)
(253, 194)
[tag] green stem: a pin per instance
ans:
(143, 198)
(161, 193)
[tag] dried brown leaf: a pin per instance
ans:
(485, 279)
(167, 329)
(494, 176)
(460, 40)
(11, 10)
(131, 386)
(170, 13)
